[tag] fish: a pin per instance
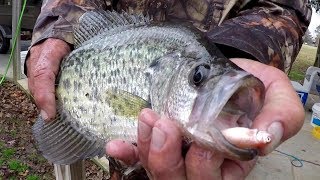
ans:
(123, 63)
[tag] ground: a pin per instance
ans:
(305, 58)
(19, 158)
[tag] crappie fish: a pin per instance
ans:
(123, 63)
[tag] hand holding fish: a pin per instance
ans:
(110, 77)
(43, 65)
(282, 114)
(159, 151)
(159, 142)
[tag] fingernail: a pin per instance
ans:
(158, 138)
(111, 148)
(144, 131)
(44, 115)
(147, 115)
(276, 130)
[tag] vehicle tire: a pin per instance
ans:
(4, 44)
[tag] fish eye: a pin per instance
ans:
(200, 74)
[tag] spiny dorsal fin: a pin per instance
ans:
(96, 22)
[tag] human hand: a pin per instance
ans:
(43, 66)
(281, 116)
(159, 151)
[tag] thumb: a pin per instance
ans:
(165, 160)
(282, 114)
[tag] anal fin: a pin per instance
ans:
(67, 145)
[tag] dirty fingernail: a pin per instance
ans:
(144, 131)
(158, 138)
(276, 130)
(44, 115)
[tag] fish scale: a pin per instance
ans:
(137, 61)
(123, 65)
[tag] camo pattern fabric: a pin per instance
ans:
(269, 31)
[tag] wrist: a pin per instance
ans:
(47, 55)
(56, 46)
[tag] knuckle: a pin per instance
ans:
(40, 98)
(164, 171)
(157, 168)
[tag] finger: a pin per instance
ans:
(41, 83)
(203, 164)
(165, 160)
(236, 170)
(122, 150)
(267, 74)
(44, 93)
(281, 98)
(43, 65)
(278, 124)
(147, 119)
(282, 114)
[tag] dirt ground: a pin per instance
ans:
(19, 158)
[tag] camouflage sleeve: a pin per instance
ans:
(57, 18)
(269, 31)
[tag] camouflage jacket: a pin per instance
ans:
(266, 30)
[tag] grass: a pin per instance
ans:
(8, 153)
(13, 133)
(18, 166)
(37, 158)
(305, 58)
(15, 166)
(32, 177)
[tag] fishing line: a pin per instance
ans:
(297, 162)
(14, 42)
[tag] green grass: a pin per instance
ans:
(1, 145)
(33, 177)
(36, 157)
(18, 166)
(8, 159)
(13, 133)
(8, 153)
(306, 58)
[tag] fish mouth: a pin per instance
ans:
(234, 101)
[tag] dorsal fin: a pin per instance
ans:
(96, 22)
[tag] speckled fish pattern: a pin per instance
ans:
(121, 64)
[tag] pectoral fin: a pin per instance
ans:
(125, 104)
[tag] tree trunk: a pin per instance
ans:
(317, 60)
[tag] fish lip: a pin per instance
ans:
(202, 119)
